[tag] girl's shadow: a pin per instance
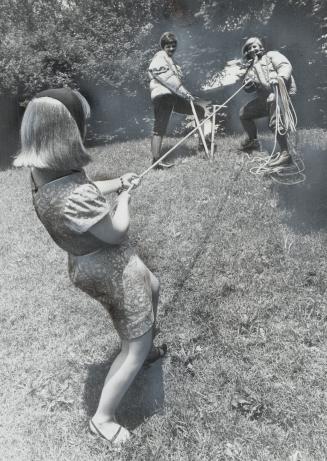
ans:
(144, 398)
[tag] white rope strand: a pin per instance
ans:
(187, 136)
(197, 123)
(285, 125)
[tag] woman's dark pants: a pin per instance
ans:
(258, 108)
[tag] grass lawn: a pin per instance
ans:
(243, 269)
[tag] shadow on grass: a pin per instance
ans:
(143, 399)
(186, 149)
(306, 203)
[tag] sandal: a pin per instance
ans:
(156, 353)
(96, 431)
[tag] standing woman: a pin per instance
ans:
(167, 93)
(101, 262)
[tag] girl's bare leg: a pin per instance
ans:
(119, 360)
(129, 362)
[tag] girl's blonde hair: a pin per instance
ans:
(50, 137)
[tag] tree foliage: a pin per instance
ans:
(108, 43)
(65, 42)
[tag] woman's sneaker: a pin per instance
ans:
(163, 165)
(250, 144)
(284, 158)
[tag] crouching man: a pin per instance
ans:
(264, 70)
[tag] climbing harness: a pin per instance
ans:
(285, 125)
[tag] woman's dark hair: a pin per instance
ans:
(167, 37)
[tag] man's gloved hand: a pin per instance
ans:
(273, 81)
(249, 83)
(271, 97)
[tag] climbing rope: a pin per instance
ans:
(285, 113)
(285, 125)
(218, 108)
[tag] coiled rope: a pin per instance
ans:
(285, 125)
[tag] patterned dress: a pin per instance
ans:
(114, 275)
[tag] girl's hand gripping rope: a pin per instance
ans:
(128, 182)
(189, 97)
(135, 181)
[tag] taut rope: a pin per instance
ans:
(188, 135)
